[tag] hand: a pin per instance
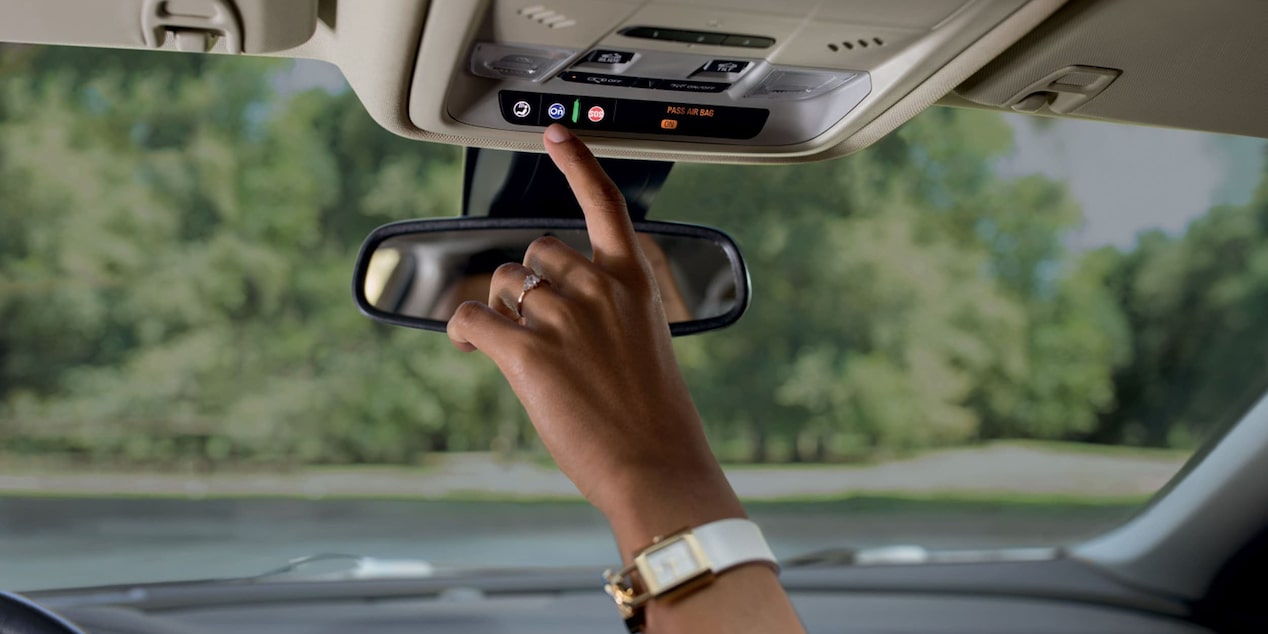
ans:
(592, 362)
(590, 358)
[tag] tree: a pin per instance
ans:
(216, 230)
(1194, 305)
(929, 300)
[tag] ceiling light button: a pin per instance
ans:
(519, 65)
(799, 84)
(500, 61)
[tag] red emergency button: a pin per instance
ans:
(596, 114)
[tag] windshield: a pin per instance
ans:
(985, 331)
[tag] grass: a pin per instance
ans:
(871, 501)
(1054, 446)
(951, 500)
(463, 497)
(1119, 451)
(293, 485)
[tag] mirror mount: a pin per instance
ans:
(507, 184)
(414, 273)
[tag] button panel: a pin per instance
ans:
(674, 93)
(632, 115)
(698, 37)
(680, 85)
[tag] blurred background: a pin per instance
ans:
(985, 330)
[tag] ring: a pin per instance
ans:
(531, 282)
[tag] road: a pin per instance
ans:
(62, 542)
(999, 468)
(59, 530)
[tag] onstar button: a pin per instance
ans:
(669, 124)
(557, 111)
(596, 114)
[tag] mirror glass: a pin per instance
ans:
(421, 277)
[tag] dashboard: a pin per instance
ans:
(1044, 596)
(459, 613)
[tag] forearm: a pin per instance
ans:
(590, 357)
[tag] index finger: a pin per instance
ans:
(607, 219)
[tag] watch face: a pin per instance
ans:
(673, 564)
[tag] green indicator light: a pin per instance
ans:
(576, 110)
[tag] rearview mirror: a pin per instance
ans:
(416, 273)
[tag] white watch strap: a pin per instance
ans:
(729, 543)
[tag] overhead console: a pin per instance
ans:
(637, 92)
(695, 80)
(691, 79)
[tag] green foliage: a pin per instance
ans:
(178, 239)
(176, 261)
(1195, 307)
(904, 297)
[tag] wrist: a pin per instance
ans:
(658, 502)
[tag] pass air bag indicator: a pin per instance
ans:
(691, 111)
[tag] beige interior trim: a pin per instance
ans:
(1181, 64)
(900, 92)
(946, 78)
(377, 51)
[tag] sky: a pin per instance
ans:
(1133, 178)
(307, 73)
(1127, 178)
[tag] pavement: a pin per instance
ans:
(991, 469)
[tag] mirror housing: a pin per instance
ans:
(416, 272)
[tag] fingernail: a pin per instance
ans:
(557, 133)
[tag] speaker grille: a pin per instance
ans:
(856, 44)
(547, 17)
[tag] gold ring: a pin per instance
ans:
(531, 282)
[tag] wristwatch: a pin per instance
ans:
(674, 565)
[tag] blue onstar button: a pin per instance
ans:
(557, 111)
